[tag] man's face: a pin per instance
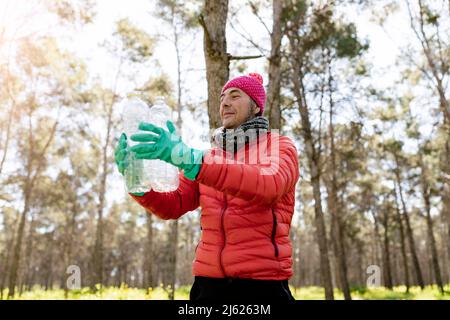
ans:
(235, 108)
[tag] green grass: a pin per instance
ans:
(110, 293)
(305, 293)
(378, 293)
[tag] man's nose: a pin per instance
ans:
(225, 103)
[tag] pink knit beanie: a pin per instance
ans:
(252, 85)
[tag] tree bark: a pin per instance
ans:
(409, 232)
(360, 262)
(68, 247)
(438, 74)
(98, 247)
(49, 273)
(319, 216)
(446, 192)
(403, 245)
(377, 240)
(273, 110)
(3, 270)
(8, 135)
(149, 253)
(17, 248)
(174, 224)
(430, 233)
(314, 167)
(433, 67)
(173, 258)
(386, 251)
(33, 173)
(28, 256)
(8, 255)
(338, 243)
(213, 21)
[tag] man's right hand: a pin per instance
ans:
(120, 154)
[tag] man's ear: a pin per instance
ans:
(256, 111)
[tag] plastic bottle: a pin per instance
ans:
(137, 174)
(164, 175)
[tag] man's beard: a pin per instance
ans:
(251, 113)
(232, 139)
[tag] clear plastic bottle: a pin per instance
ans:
(137, 174)
(164, 175)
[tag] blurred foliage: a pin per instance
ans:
(304, 293)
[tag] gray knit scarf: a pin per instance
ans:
(233, 139)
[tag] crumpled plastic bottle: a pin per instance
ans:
(142, 175)
(164, 175)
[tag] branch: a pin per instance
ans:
(255, 12)
(10, 116)
(201, 20)
(260, 49)
(411, 59)
(41, 156)
(230, 57)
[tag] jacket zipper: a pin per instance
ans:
(274, 233)
(223, 233)
(223, 229)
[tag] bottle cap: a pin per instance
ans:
(159, 100)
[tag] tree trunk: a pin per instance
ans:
(68, 243)
(273, 110)
(439, 85)
(377, 240)
(403, 246)
(444, 250)
(446, 192)
(319, 217)
(8, 134)
(337, 241)
(17, 248)
(28, 255)
(334, 208)
(427, 48)
(174, 224)
(98, 247)
(213, 21)
(313, 163)
(98, 251)
(448, 247)
(430, 233)
(3, 270)
(173, 258)
(49, 271)
(409, 232)
(386, 252)
(360, 259)
(33, 172)
(8, 256)
(395, 263)
(149, 253)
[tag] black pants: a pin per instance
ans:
(227, 289)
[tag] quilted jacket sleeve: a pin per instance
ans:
(172, 205)
(265, 182)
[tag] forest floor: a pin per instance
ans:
(182, 293)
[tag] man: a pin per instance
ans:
(245, 186)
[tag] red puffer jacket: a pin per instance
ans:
(247, 206)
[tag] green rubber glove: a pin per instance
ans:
(167, 146)
(120, 154)
(120, 157)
